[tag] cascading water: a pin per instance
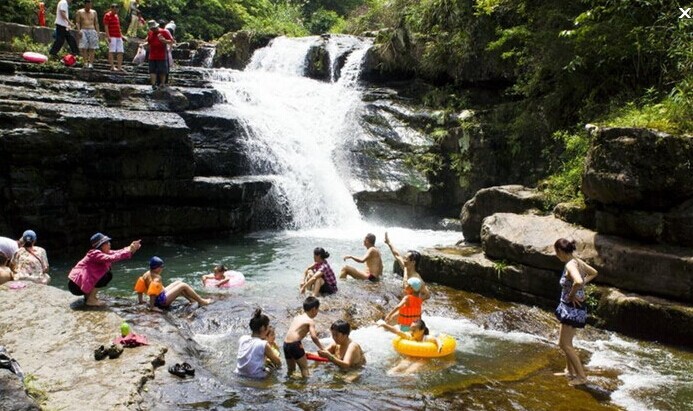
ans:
(295, 125)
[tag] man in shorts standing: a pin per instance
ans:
(88, 25)
(158, 39)
(111, 21)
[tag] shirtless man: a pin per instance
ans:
(300, 326)
(409, 264)
(372, 259)
(344, 353)
(88, 26)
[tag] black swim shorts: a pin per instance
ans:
(326, 289)
(294, 350)
(373, 278)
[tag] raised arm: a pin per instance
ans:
(394, 251)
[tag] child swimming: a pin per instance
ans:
(409, 309)
(151, 283)
(300, 326)
(257, 349)
(417, 332)
(219, 275)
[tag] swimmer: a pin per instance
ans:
(372, 259)
(344, 352)
(219, 275)
(409, 308)
(417, 332)
(409, 264)
(300, 326)
(151, 283)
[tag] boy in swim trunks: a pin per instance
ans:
(372, 259)
(300, 326)
(152, 284)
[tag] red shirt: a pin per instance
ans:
(157, 49)
(112, 24)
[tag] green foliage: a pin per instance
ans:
(33, 391)
(565, 184)
(322, 21)
(21, 11)
(428, 163)
(670, 113)
(281, 18)
(592, 297)
(26, 43)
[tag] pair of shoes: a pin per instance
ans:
(154, 87)
(182, 370)
(111, 352)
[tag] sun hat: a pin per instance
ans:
(155, 262)
(414, 283)
(152, 24)
(29, 236)
(98, 239)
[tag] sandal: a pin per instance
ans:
(188, 369)
(100, 353)
(177, 370)
(114, 351)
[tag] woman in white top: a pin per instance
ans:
(256, 349)
(30, 262)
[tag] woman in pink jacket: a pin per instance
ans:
(94, 270)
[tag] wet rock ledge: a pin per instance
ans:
(87, 150)
(54, 345)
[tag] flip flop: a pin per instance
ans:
(114, 351)
(177, 370)
(100, 353)
(188, 369)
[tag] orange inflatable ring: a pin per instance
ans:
(424, 349)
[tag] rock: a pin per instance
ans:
(55, 344)
(235, 49)
(318, 62)
(678, 225)
(649, 269)
(467, 268)
(6, 67)
(639, 169)
(645, 317)
(500, 199)
(13, 395)
(578, 214)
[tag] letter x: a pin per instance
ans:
(684, 13)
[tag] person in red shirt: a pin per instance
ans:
(158, 39)
(111, 22)
(42, 15)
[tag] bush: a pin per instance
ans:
(280, 19)
(322, 21)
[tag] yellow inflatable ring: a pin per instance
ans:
(425, 349)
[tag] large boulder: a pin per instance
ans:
(13, 395)
(639, 169)
(55, 344)
(649, 269)
(318, 62)
(235, 49)
(501, 199)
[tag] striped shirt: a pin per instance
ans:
(112, 23)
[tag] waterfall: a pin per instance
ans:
(295, 126)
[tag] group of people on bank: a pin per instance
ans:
(258, 353)
(159, 37)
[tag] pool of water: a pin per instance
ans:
(505, 353)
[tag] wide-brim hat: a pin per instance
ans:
(152, 24)
(98, 239)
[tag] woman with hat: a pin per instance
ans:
(94, 270)
(30, 262)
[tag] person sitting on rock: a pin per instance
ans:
(409, 264)
(30, 262)
(372, 259)
(319, 277)
(152, 284)
(5, 272)
(94, 270)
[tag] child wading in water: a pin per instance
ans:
(151, 283)
(300, 326)
(417, 332)
(219, 275)
(409, 309)
(257, 349)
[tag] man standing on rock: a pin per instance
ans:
(111, 22)
(158, 39)
(88, 25)
(372, 259)
(62, 27)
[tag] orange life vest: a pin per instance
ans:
(411, 311)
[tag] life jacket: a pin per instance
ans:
(411, 311)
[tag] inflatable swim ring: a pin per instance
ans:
(236, 279)
(32, 57)
(424, 349)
